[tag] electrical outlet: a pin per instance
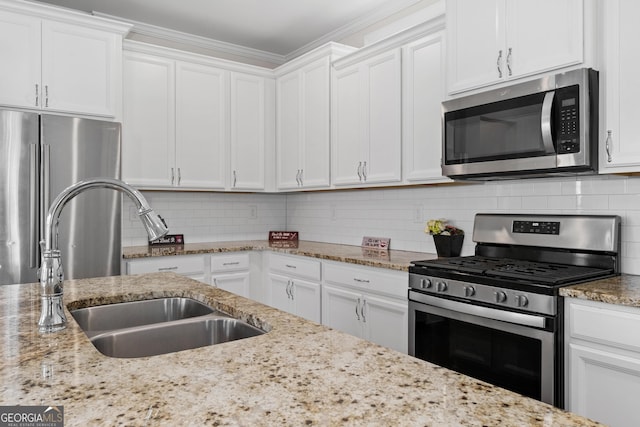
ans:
(418, 215)
(253, 212)
(332, 210)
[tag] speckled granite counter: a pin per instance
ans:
(299, 373)
(620, 290)
(392, 259)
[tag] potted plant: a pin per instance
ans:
(447, 238)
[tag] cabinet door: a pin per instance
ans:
(279, 296)
(341, 310)
(148, 131)
(620, 86)
(79, 68)
(538, 40)
(384, 120)
(475, 43)
(423, 93)
(386, 322)
(316, 129)
(306, 299)
(288, 140)
(20, 46)
(247, 131)
(346, 127)
(604, 385)
(238, 283)
(201, 126)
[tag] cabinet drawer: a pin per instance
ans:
(233, 262)
(394, 283)
(176, 264)
(605, 324)
(295, 266)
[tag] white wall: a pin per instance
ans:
(398, 213)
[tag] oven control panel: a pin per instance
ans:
(536, 227)
(492, 295)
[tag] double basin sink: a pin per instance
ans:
(158, 326)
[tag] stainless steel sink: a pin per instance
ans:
(158, 326)
(100, 318)
(175, 336)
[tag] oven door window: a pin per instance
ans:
(509, 129)
(509, 360)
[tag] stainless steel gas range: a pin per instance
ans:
(496, 315)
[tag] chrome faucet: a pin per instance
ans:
(52, 317)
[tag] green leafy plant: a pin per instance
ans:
(441, 227)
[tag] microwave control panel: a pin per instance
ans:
(568, 123)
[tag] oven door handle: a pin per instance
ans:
(545, 123)
(480, 311)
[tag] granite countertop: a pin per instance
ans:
(298, 373)
(619, 290)
(391, 259)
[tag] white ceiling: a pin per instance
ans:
(275, 26)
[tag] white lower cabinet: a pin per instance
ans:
(294, 285)
(603, 361)
(370, 303)
(187, 265)
(232, 273)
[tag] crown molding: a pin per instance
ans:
(198, 41)
(353, 27)
(254, 54)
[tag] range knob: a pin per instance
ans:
(425, 283)
(522, 301)
(500, 296)
(441, 286)
(469, 291)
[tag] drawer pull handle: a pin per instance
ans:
(167, 268)
(231, 263)
(364, 319)
(361, 280)
(358, 306)
(290, 266)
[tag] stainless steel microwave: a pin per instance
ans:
(539, 127)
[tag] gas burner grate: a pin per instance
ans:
(531, 271)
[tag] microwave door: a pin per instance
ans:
(513, 135)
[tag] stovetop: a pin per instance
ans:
(542, 273)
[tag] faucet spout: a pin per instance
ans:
(52, 317)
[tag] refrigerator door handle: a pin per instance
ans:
(33, 210)
(45, 186)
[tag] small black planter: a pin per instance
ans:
(448, 246)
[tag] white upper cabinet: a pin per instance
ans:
(303, 128)
(366, 120)
(619, 86)
(248, 131)
(490, 41)
(422, 95)
(148, 131)
(71, 67)
(202, 130)
(20, 84)
(190, 124)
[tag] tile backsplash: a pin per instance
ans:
(398, 213)
(208, 217)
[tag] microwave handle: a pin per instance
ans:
(545, 123)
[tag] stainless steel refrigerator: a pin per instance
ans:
(40, 155)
